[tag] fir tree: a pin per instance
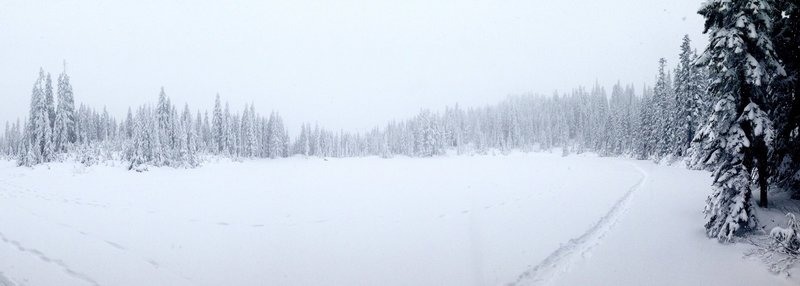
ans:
(218, 127)
(741, 63)
(686, 91)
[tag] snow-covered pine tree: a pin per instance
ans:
(274, 135)
(262, 134)
(207, 134)
(66, 106)
(104, 125)
(4, 140)
(49, 103)
(427, 137)
(698, 85)
(181, 144)
(663, 112)
(248, 134)
(685, 93)
(598, 113)
(252, 135)
(741, 63)
(199, 133)
(238, 135)
(302, 144)
(129, 124)
(189, 132)
(218, 127)
(284, 139)
(647, 139)
(27, 152)
(164, 127)
(228, 132)
(255, 120)
(43, 126)
(615, 130)
(136, 152)
(315, 141)
(9, 141)
(48, 149)
(37, 130)
(631, 119)
(155, 148)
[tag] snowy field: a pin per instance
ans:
(526, 219)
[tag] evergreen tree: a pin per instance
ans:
(249, 144)
(38, 133)
(218, 128)
(137, 153)
(274, 135)
(686, 92)
(427, 135)
(199, 133)
(663, 109)
(647, 128)
(735, 140)
(284, 140)
(129, 124)
(49, 102)
(228, 132)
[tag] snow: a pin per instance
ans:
(526, 219)
(661, 241)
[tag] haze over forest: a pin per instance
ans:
(345, 64)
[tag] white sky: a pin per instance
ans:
(344, 64)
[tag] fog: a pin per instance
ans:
(344, 64)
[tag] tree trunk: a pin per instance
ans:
(762, 184)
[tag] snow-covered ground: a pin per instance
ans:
(526, 219)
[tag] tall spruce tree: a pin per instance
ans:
(228, 132)
(736, 139)
(685, 90)
(218, 127)
(663, 109)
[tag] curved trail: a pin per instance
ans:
(561, 259)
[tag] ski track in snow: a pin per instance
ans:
(4, 281)
(39, 254)
(548, 270)
(559, 262)
(45, 258)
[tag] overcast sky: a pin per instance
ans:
(344, 64)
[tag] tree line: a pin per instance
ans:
(158, 135)
(153, 135)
